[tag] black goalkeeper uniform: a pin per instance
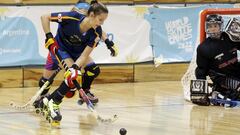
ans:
(217, 58)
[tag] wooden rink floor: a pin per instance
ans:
(149, 108)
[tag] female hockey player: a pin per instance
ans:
(88, 76)
(77, 36)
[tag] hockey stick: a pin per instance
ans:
(231, 103)
(38, 93)
(83, 94)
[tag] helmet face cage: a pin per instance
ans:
(214, 19)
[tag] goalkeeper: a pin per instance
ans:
(218, 57)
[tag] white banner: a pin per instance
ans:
(22, 38)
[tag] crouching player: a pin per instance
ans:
(218, 57)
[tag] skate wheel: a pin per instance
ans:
(43, 113)
(80, 102)
(38, 111)
(49, 119)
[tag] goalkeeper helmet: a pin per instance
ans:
(214, 26)
(233, 29)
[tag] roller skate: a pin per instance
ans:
(45, 108)
(91, 97)
(53, 112)
(38, 104)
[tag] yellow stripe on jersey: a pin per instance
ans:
(64, 18)
(97, 39)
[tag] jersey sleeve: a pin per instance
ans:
(64, 17)
(95, 36)
(202, 63)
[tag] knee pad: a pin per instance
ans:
(92, 70)
(42, 82)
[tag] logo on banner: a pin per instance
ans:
(141, 11)
(17, 32)
(9, 51)
(2, 12)
(179, 32)
(19, 38)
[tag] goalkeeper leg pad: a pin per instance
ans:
(199, 92)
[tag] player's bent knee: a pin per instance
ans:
(92, 70)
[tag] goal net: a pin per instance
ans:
(227, 13)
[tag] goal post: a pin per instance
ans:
(190, 73)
